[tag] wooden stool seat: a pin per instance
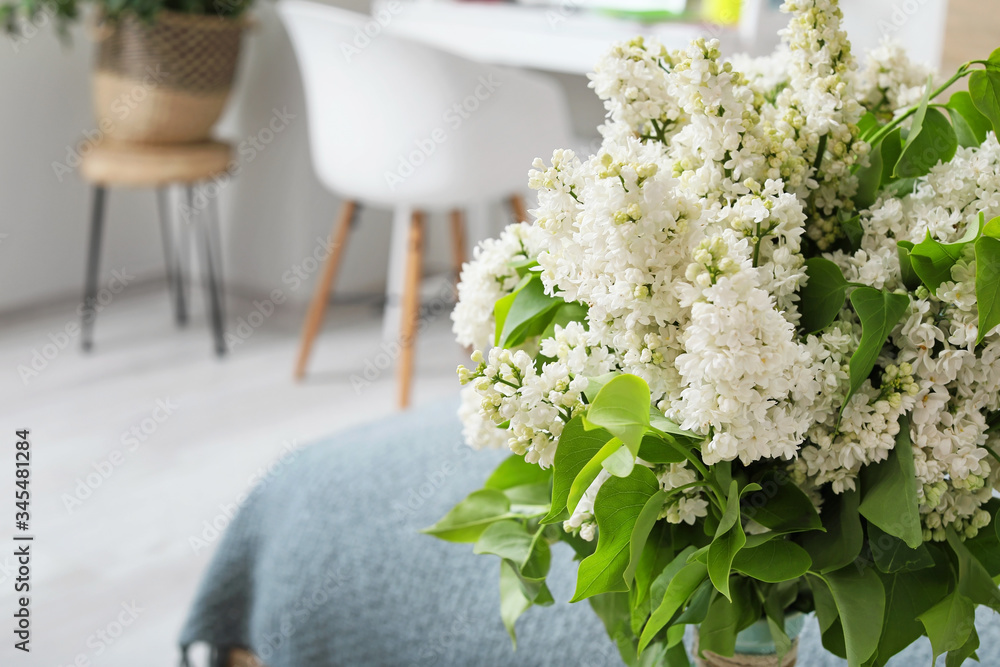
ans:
(154, 165)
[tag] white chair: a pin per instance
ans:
(403, 126)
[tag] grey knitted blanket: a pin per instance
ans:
(324, 566)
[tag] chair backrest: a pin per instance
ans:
(381, 107)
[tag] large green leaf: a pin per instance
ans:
(949, 623)
(662, 449)
(906, 273)
(725, 618)
(515, 471)
(844, 536)
(892, 554)
(907, 595)
(823, 296)
(616, 509)
(563, 315)
(576, 447)
(860, 601)
(508, 539)
(641, 530)
(974, 582)
(682, 585)
(621, 407)
(773, 561)
(729, 539)
(889, 492)
(590, 471)
(780, 504)
(468, 519)
(975, 122)
(879, 311)
(869, 181)
(933, 142)
(891, 148)
(513, 602)
(987, 284)
(957, 657)
(527, 314)
(984, 88)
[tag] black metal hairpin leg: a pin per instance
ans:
(89, 311)
(213, 285)
(172, 253)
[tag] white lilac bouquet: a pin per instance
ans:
(746, 356)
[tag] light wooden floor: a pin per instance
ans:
(129, 541)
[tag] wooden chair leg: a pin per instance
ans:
(517, 205)
(458, 242)
(317, 307)
(410, 315)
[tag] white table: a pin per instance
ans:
(560, 38)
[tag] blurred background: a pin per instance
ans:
(144, 445)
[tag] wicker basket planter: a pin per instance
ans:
(165, 82)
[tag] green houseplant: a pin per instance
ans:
(746, 356)
(164, 69)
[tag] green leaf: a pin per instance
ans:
(729, 539)
(891, 148)
(773, 561)
(822, 297)
(780, 504)
(933, 142)
(661, 449)
(932, 260)
(589, 472)
(620, 463)
(892, 554)
(830, 626)
(576, 447)
(513, 602)
(974, 582)
(949, 623)
(515, 471)
(987, 285)
(682, 585)
(976, 123)
(860, 601)
(867, 125)
(622, 408)
(853, 230)
(907, 595)
(506, 539)
(528, 314)
(502, 307)
(616, 509)
(725, 619)
(879, 311)
(957, 657)
(869, 181)
(844, 536)
(659, 586)
(667, 427)
(889, 492)
(984, 88)
(468, 519)
(906, 273)
(641, 530)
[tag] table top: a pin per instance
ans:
(559, 37)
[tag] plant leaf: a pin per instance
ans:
(844, 536)
(589, 472)
(984, 89)
(949, 623)
(467, 520)
(935, 141)
(907, 595)
(860, 601)
(528, 314)
(823, 295)
(906, 273)
(932, 260)
(892, 554)
(889, 492)
(780, 504)
(729, 539)
(640, 531)
(513, 602)
(506, 539)
(961, 103)
(869, 181)
(682, 585)
(773, 561)
(974, 582)
(515, 471)
(879, 311)
(622, 408)
(616, 508)
(987, 284)
(576, 447)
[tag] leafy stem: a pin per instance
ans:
(710, 481)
